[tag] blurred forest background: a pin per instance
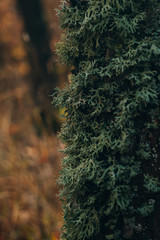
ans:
(29, 160)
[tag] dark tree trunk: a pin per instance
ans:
(37, 39)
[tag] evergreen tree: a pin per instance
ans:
(111, 166)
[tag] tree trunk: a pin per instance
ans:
(43, 73)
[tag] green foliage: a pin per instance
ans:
(111, 164)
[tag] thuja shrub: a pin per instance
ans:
(111, 166)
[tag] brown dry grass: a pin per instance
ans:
(29, 162)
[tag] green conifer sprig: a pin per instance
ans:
(111, 167)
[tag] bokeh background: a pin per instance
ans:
(29, 156)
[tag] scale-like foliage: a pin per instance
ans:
(111, 168)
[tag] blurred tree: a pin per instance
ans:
(37, 39)
(28, 163)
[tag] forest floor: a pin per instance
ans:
(29, 160)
